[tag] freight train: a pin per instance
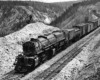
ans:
(37, 51)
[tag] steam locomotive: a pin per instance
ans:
(37, 51)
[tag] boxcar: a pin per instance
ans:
(90, 27)
(83, 28)
(95, 23)
(70, 34)
(98, 22)
(86, 28)
(77, 33)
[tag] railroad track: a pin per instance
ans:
(55, 68)
(12, 76)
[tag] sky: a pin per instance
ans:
(50, 1)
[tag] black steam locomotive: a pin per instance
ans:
(37, 51)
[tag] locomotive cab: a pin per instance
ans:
(29, 48)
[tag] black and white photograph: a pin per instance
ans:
(49, 39)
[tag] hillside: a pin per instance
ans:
(65, 5)
(14, 15)
(75, 14)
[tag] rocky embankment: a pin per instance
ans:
(11, 45)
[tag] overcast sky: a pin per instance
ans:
(54, 0)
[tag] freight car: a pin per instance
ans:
(37, 51)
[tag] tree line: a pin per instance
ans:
(71, 10)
